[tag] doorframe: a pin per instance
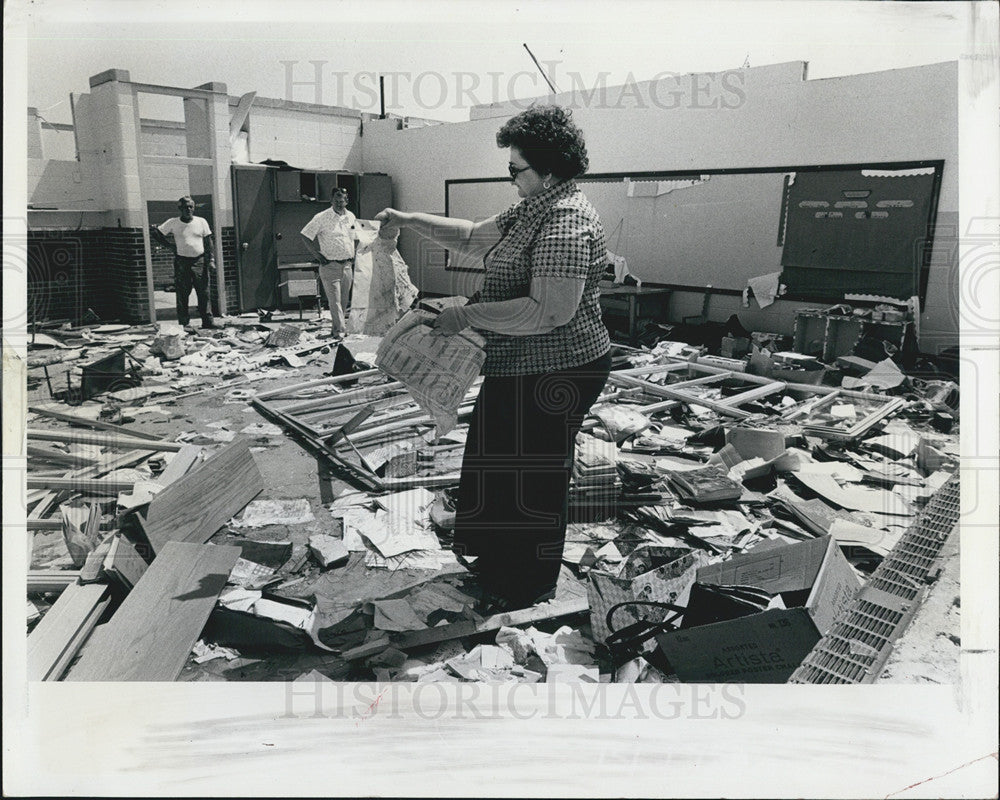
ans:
(143, 160)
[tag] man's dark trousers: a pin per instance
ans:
(189, 273)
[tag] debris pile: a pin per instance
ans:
(724, 512)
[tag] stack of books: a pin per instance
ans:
(595, 477)
(705, 485)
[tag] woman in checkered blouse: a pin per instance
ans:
(547, 354)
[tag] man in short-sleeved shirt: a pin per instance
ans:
(192, 241)
(331, 237)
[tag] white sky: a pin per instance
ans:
(242, 44)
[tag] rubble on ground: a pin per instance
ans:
(334, 494)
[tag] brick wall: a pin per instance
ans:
(229, 260)
(127, 272)
(66, 276)
(104, 270)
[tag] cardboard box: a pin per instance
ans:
(816, 584)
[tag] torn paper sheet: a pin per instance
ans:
(275, 512)
(391, 292)
(437, 370)
(877, 540)
(884, 375)
(765, 289)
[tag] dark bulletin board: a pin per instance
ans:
(859, 230)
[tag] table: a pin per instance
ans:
(635, 303)
(298, 280)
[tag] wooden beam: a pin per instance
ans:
(61, 633)
(35, 451)
(72, 419)
(296, 387)
(104, 439)
(673, 394)
(458, 630)
(151, 635)
(195, 506)
(41, 581)
(106, 465)
(754, 394)
(102, 486)
(364, 395)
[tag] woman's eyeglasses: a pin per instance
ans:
(515, 171)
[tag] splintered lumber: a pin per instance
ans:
(458, 630)
(195, 506)
(105, 439)
(91, 423)
(63, 630)
(151, 635)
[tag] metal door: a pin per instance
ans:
(253, 195)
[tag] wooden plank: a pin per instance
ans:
(104, 486)
(151, 635)
(104, 439)
(665, 391)
(93, 568)
(43, 524)
(753, 394)
(107, 465)
(123, 562)
(35, 451)
(194, 507)
(41, 581)
(364, 395)
(63, 629)
(457, 630)
(92, 423)
(179, 464)
(296, 387)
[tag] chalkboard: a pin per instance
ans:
(866, 230)
(689, 230)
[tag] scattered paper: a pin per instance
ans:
(765, 288)
(274, 512)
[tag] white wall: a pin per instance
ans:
(308, 140)
(898, 115)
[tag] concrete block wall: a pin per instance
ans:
(308, 137)
(780, 120)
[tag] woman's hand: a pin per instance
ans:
(450, 321)
(391, 218)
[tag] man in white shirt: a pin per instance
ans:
(192, 240)
(331, 236)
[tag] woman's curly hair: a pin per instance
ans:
(548, 140)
